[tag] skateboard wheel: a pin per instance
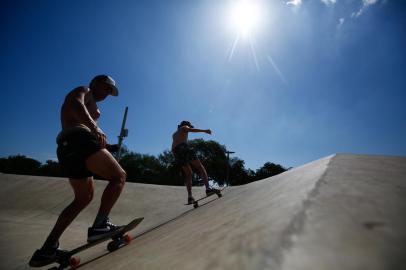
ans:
(127, 239)
(195, 205)
(74, 261)
(112, 246)
(219, 195)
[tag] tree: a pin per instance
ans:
(51, 168)
(20, 164)
(141, 168)
(213, 157)
(238, 174)
(162, 170)
(3, 164)
(171, 173)
(268, 169)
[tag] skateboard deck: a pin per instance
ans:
(196, 202)
(118, 238)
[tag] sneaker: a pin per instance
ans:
(44, 256)
(99, 232)
(190, 200)
(211, 191)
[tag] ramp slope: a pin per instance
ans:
(339, 212)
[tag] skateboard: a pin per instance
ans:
(196, 202)
(118, 238)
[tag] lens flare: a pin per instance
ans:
(244, 17)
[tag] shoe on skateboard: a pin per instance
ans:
(45, 256)
(66, 259)
(98, 232)
(212, 191)
(209, 192)
(190, 200)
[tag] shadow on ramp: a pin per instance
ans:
(146, 232)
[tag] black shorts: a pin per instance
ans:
(184, 154)
(74, 147)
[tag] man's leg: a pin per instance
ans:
(188, 178)
(83, 190)
(202, 171)
(103, 164)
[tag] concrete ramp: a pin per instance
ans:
(339, 212)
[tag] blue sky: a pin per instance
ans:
(306, 80)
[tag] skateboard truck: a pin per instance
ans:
(119, 242)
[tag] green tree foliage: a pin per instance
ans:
(161, 170)
(51, 168)
(238, 174)
(141, 168)
(20, 164)
(172, 172)
(267, 170)
(212, 155)
(149, 169)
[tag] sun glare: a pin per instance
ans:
(244, 17)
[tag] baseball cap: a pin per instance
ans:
(107, 80)
(185, 123)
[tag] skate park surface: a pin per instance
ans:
(340, 212)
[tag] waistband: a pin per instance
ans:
(183, 144)
(69, 131)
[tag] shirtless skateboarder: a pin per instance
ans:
(82, 153)
(185, 156)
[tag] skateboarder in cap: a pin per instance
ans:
(185, 156)
(82, 153)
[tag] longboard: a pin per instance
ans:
(119, 239)
(196, 202)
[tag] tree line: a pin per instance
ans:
(161, 169)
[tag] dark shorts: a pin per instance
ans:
(184, 154)
(74, 146)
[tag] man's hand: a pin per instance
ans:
(112, 148)
(208, 131)
(101, 137)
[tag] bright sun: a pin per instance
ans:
(244, 17)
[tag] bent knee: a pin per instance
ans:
(120, 177)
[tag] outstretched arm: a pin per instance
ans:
(195, 130)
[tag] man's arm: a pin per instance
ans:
(76, 101)
(188, 129)
(112, 148)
